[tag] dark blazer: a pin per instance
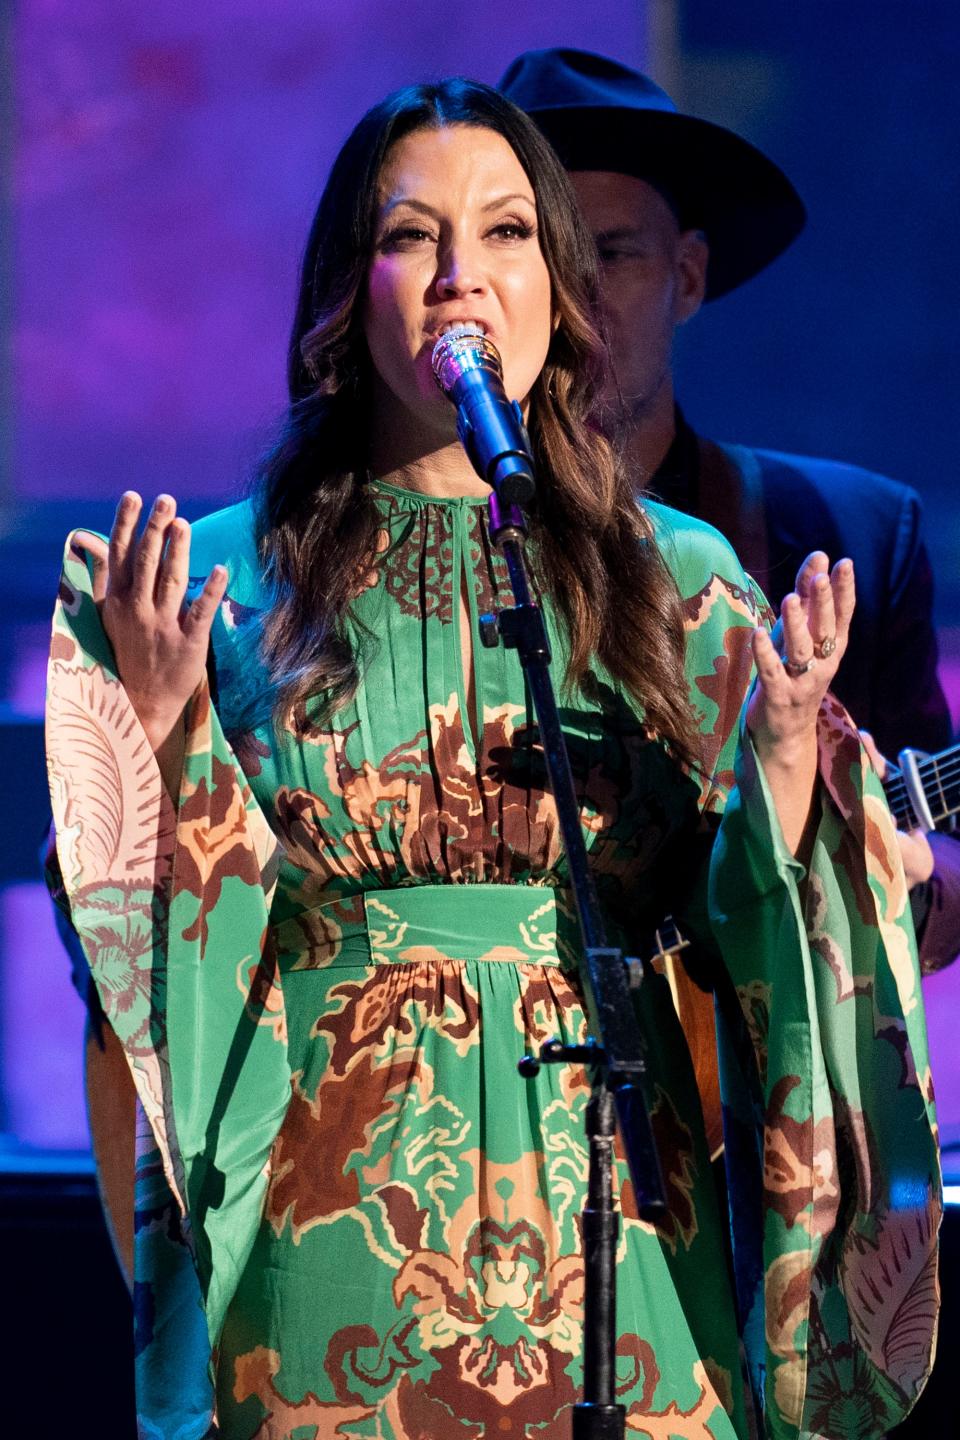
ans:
(775, 509)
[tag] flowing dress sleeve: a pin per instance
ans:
(170, 902)
(840, 1329)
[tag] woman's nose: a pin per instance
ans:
(459, 273)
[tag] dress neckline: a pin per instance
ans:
(417, 498)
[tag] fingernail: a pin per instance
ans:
(163, 502)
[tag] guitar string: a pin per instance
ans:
(928, 761)
(936, 790)
(947, 771)
(942, 775)
(901, 804)
(943, 768)
(901, 799)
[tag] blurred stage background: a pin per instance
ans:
(158, 169)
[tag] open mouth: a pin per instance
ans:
(460, 327)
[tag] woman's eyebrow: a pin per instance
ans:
(503, 199)
(393, 202)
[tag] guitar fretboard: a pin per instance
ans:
(940, 778)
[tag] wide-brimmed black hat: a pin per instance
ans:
(601, 115)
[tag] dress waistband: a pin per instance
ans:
(424, 924)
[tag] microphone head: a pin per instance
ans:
(462, 348)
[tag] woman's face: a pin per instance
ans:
(456, 239)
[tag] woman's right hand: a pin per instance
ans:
(139, 585)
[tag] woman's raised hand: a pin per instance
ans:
(795, 668)
(139, 585)
(796, 665)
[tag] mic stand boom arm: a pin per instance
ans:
(614, 1053)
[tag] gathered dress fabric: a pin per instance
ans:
(354, 1218)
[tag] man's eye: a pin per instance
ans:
(610, 254)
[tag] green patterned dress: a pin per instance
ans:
(354, 1218)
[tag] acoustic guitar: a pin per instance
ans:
(694, 1007)
(923, 791)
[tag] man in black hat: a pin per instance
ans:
(683, 211)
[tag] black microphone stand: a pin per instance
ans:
(614, 1053)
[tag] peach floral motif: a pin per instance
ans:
(121, 930)
(799, 1164)
(255, 1376)
(824, 942)
(740, 600)
(787, 1288)
(848, 775)
(675, 1423)
(725, 689)
(258, 980)
(885, 867)
(395, 1004)
(314, 1169)
(62, 648)
(500, 1320)
(113, 817)
(226, 776)
(215, 842)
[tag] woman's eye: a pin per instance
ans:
(404, 237)
(513, 230)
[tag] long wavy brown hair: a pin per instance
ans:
(592, 547)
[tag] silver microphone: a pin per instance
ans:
(467, 367)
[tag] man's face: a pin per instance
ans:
(653, 280)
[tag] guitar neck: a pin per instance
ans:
(939, 777)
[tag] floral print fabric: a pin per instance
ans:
(354, 1217)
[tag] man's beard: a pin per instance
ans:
(617, 413)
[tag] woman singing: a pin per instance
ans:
(307, 842)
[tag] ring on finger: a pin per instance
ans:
(799, 667)
(824, 648)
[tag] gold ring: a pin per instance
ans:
(825, 647)
(796, 668)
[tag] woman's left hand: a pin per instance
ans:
(797, 663)
(795, 668)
